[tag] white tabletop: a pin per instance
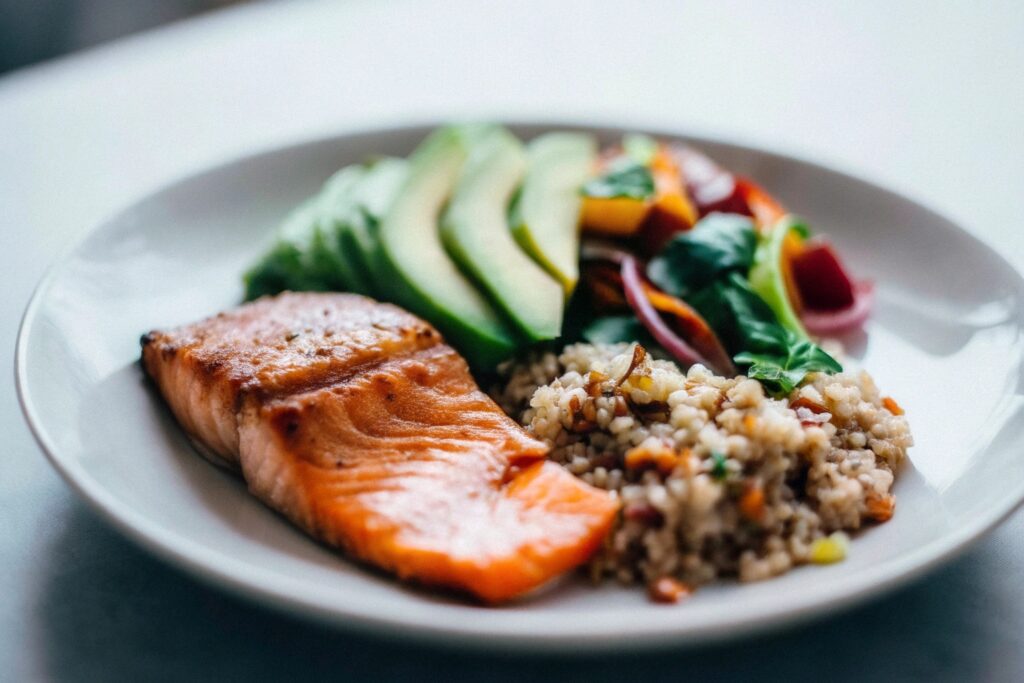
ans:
(924, 97)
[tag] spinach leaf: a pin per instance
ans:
(782, 373)
(625, 178)
(718, 244)
(708, 266)
(741, 319)
(775, 356)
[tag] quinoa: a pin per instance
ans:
(715, 478)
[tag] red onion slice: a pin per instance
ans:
(601, 251)
(632, 283)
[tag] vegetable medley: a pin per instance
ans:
(645, 241)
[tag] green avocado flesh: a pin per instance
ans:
(306, 256)
(475, 230)
(545, 219)
(336, 209)
(329, 243)
(418, 272)
(371, 196)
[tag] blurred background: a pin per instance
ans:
(34, 30)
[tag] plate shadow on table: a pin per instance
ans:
(118, 614)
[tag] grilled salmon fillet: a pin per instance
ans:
(357, 422)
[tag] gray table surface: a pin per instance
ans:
(924, 96)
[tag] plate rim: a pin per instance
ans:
(238, 577)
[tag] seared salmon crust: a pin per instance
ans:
(357, 422)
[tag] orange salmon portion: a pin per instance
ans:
(273, 346)
(354, 420)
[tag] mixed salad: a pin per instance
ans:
(506, 246)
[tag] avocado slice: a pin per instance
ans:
(303, 258)
(325, 244)
(416, 270)
(475, 230)
(372, 196)
(546, 216)
(337, 209)
(324, 259)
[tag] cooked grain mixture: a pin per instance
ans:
(715, 477)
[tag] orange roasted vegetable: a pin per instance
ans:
(691, 327)
(665, 211)
(614, 216)
(604, 283)
(767, 211)
(891, 405)
(792, 246)
(752, 502)
(880, 507)
(672, 211)
(762, 206)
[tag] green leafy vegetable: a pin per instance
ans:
(735, 284)
(737, 314)
(782, 372)
(719, 470)
(718, 244)
(640, 148)
(776, 357)
(625, 178)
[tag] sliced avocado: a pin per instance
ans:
(379, 188)
(417, 271)
(372, 196)
(546, 216)
(475, 230)
(337, 209)
(766, 274)
(310, 254)
(298, 260)
(278, 270)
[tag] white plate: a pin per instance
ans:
(945, 340)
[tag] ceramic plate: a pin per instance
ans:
(945, 339)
